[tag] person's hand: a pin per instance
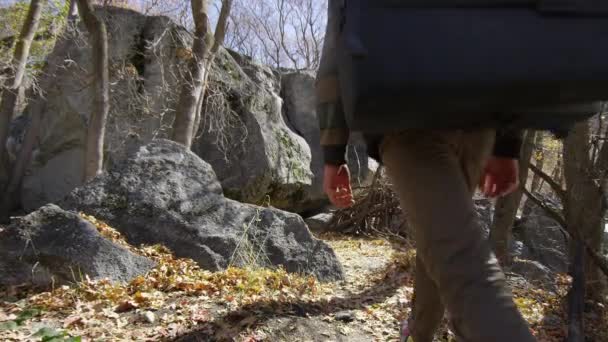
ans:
(336, 184)
(500, 177)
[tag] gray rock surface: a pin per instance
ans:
(166, 194)
(533, 271)
(536, 238)
(146, 61)
(54, 245)
(319, 222)
(518, 249)
(298, 92)
(543, 240)
(255, 154)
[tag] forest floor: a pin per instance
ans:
(179, 302)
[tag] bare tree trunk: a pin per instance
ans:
(557, 173)
(185, 117)
(98, 39)
(585, 205)
(200, 108)
(539, 162)
(8, 107)
(220, 34)
(222, 25)
(576, 295)
(205, 46)
(507, 206)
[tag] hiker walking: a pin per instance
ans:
(434, 171)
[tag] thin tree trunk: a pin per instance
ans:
(204, 48)
(98, 39)
(585, 207)
(199, 111)
(185, 117)
(576, 295)
(8, 107)
(539, 162)
(222, 25)
(507, 206)
(557, 173)
(219, 36)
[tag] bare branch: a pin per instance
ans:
(559, 191)
(282, 33)
(550, 212)
(600, 260)
(222, 25)
(192, 89)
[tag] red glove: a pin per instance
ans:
(500, 177)
(336, 184)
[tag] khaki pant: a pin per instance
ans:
(435, 173)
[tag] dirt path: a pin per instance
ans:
(366, 306)
(255, 305)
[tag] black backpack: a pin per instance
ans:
(472, 63)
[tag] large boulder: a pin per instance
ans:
(53, 245)
(543, 239)
(320, 222)
(243, 134)
(147, 59)
(298, 93)
(534, 272)
(165, 194)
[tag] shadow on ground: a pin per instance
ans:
(229, 326)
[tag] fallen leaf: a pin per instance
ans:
(126, 306)
(200, 315)
(72, 320)
(142, 297)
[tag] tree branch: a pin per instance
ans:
(222, 23)
(559, 191)
(600, 260)
(550, 212)
(98, 38)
